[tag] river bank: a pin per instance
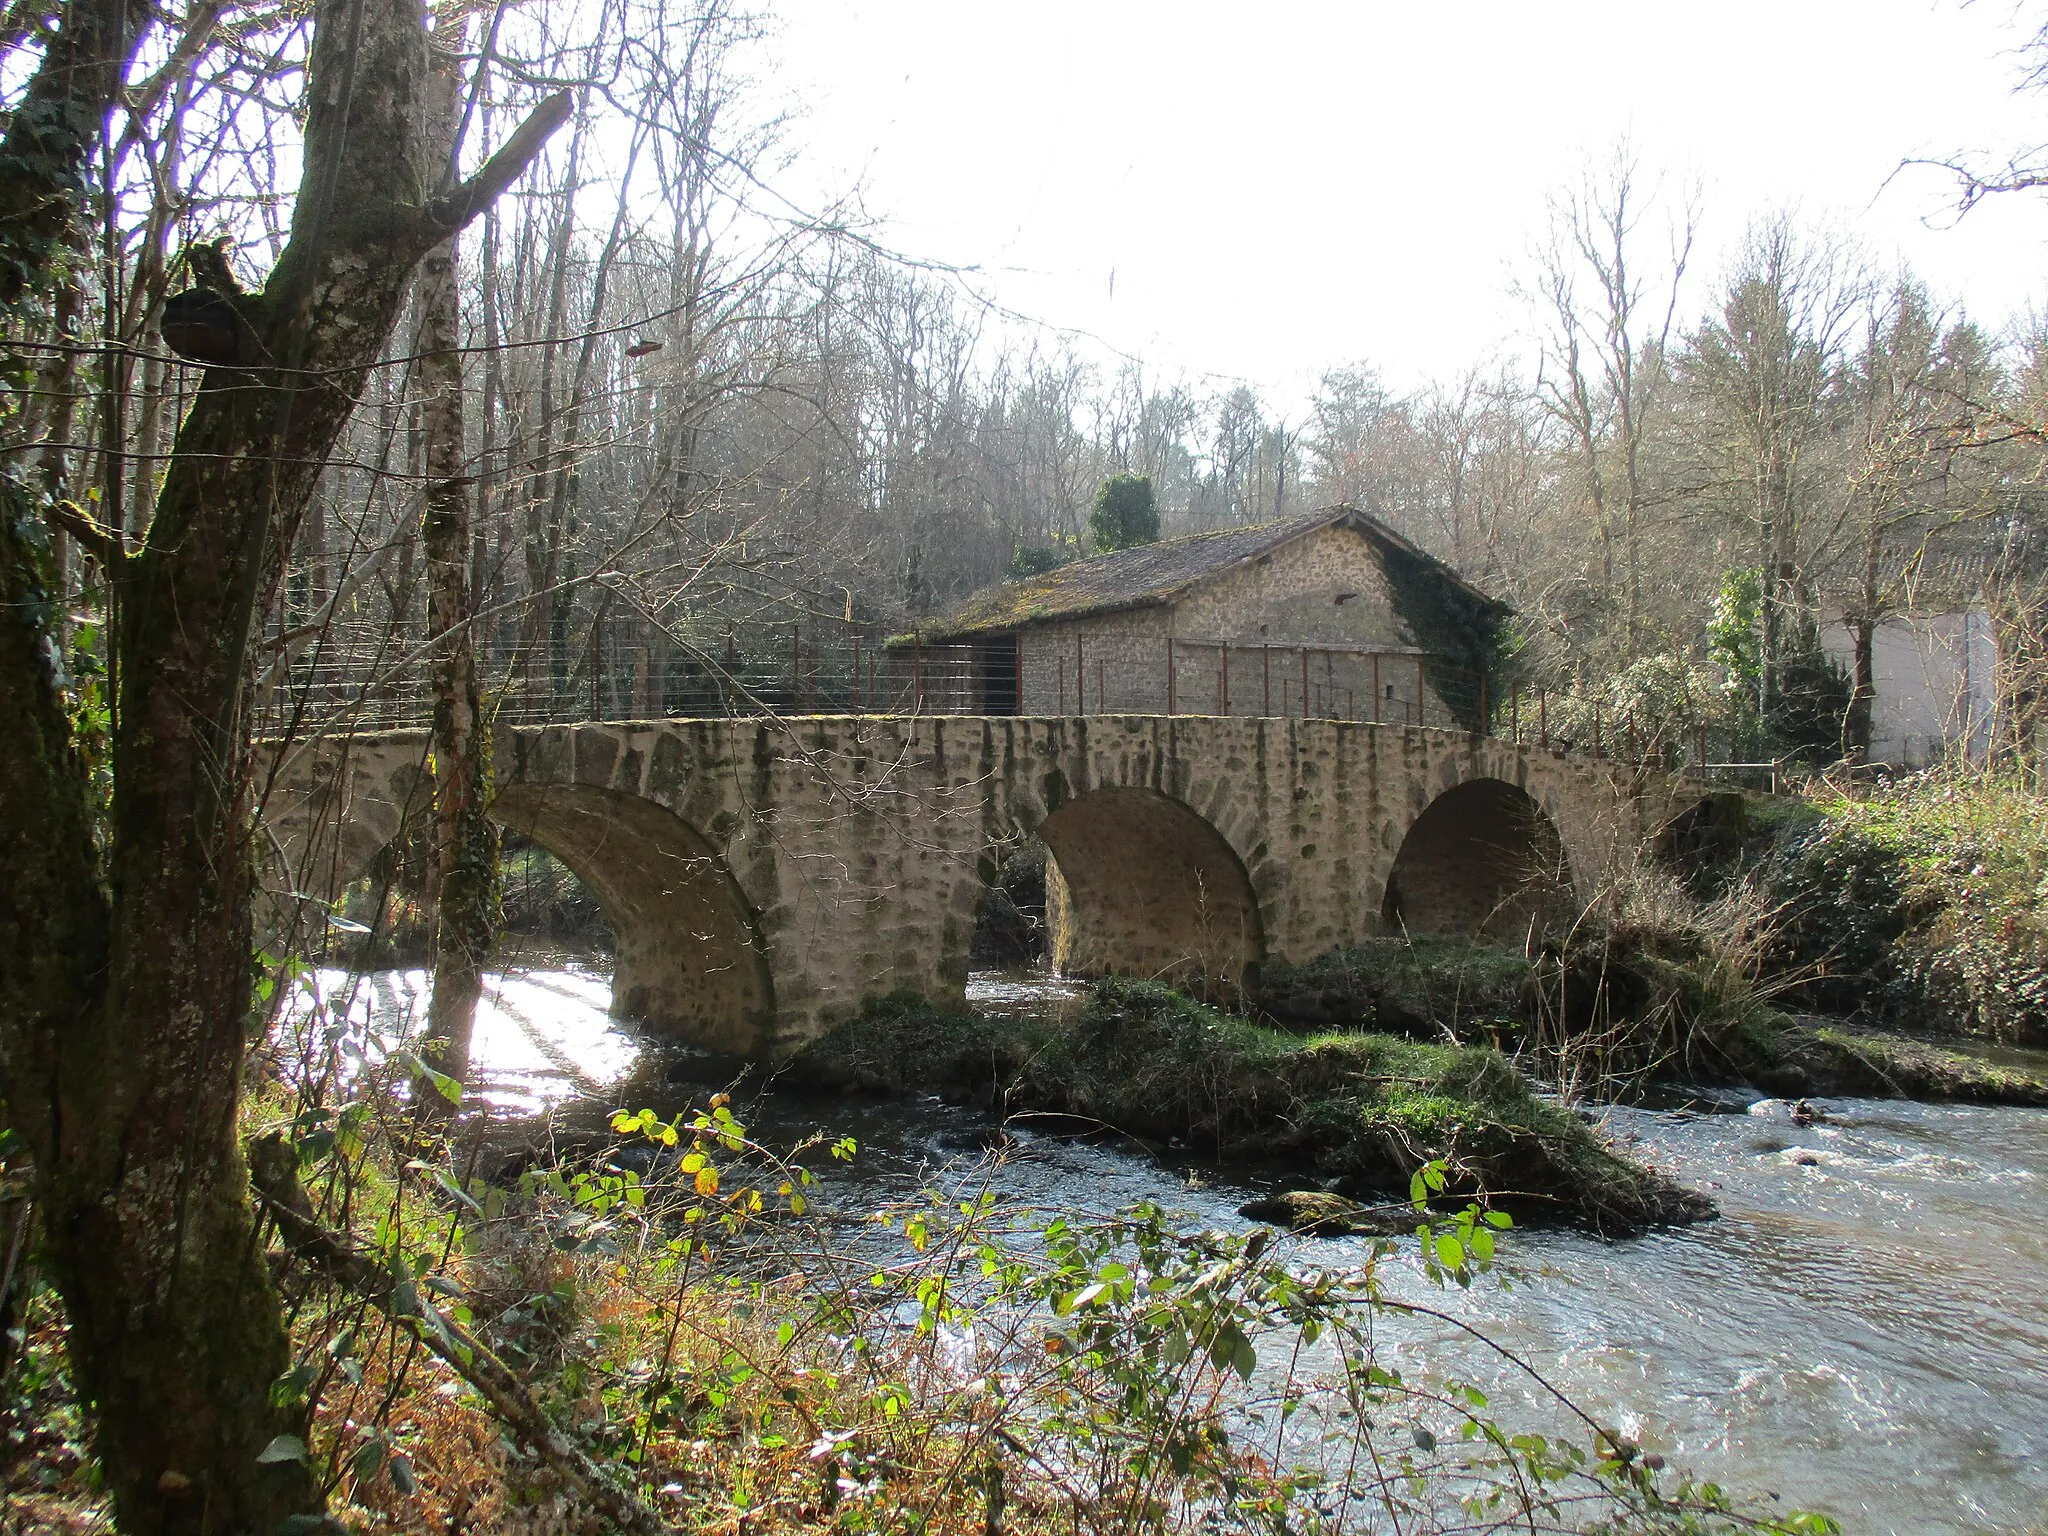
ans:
(1857, 1333)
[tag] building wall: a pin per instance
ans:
(1934, 677)
(1120, 659)
(1291, 596)
(1322, 600)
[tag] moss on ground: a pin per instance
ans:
(1365, 1109)
(1610, 1009)
(1811, 1055)
(1403, 986)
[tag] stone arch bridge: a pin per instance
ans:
(762, 877)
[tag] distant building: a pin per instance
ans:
(1327, 615)
(1934, 659)
(1933, 674)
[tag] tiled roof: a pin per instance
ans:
(1147, 576)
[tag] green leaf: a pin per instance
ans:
(1245, 1359)
(283, 1448)
(443, 1084)
(292, 1386)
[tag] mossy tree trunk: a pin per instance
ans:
(466, 915)
(125, 996)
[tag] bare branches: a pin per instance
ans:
(54, 131)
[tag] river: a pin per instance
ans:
(1862, 1332)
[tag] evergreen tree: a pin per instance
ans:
(1125, 513)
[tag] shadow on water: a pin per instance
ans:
(1862, 1332)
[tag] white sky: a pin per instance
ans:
(1279, 188)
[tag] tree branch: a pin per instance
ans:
(446, 215)
(273, 1171)
(100, 541)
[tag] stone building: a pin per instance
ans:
(1328, 615)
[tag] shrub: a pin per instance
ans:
(1923, 902)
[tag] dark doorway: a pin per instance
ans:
(999, 675)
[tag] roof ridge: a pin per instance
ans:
(1149, 575)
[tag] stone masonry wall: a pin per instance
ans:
(1280, 617)
(766, 877)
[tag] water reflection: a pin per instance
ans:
(1861, 1332)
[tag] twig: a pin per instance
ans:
(273, 1170)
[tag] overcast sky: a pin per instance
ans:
(1263, 191)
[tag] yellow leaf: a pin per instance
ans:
(707, 1182)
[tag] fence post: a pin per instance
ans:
(1080, 677)
(917, 672)
(1377, 692)
(1226, 679)
(1596, 727)
(1170, 695)
(1304, 682)
(856, 673)
(1266, 685)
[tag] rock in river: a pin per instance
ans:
(1325, 1215)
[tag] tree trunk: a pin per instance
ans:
(122, 1032)
(467, 910)
(1863, 692)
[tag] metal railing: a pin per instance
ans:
(372, 682)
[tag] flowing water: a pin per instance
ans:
(1864, 1331)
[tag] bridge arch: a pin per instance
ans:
(689, 957)
(1483, 860)
(1139, 883)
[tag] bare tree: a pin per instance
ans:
(1607, 327)
(1766, 378)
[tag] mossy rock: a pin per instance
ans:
(902, 1043)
